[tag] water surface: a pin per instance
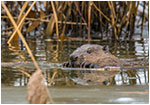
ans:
(128, 86)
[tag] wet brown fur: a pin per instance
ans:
(94, 54)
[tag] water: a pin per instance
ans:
(84, 94)
(128, 86)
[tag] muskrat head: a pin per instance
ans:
(85, 53)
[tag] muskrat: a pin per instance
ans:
(92, 56)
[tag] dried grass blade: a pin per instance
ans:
(15, 38)
(63, 32)
(56, 19)
(43, 20)
(51, 79)
(113, 10)
(45, 2)
(27, 74)
(22, 10)
(50, 26)
(36, 85)
(77, 8)
(21, 22)
(101, 12)
(110, 4)
(32, 26)
(20, 35)
(35, 23)
(89, 20)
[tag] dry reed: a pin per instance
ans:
(61, 16)
(36, 82)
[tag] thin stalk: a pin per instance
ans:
(20, 35)
(56, 19)
(20, 21)
(43, 20)
(51, 79)
(110, 4)
(25, 73)
(101, 12)
(89, 20)
(9, 28)
(15, 38)
(143, 21)
(80, 13)
(132, 19)
(26, 45)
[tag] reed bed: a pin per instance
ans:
(62, 20)
(113, 19)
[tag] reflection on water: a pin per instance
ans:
(51, 54)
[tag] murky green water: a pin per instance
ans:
(129, 86)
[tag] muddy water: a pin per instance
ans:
(84, 95)
(128, 86)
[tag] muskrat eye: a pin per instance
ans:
(106, 48)
(89, 51)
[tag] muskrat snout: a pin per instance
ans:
(73, 58)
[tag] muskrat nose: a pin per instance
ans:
(73, 58)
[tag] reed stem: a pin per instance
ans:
(20, 35)
(14, 33)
